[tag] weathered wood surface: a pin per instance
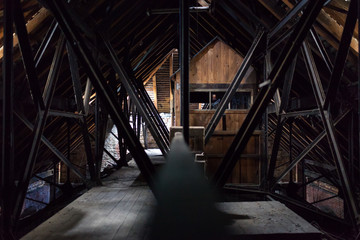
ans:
(215, 64)
(267, 220)
(234, 118)
(117, 210)
(247, 169)
(121, 209)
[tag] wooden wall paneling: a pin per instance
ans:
(234, 119)
(202, 118)
(247, 168)
(217, 63)
(214, 65)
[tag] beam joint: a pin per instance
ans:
(266, 93)
(103, 91)
(230, 92)
(330, 132)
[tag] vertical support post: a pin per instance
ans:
(122, 144)
(145, 136)
(133, 113)
(74, 69)
(287, 86)
(88, 149)
(184, 72)
(304, 185)
(7, 160)
(241, 73)
(277, 101)
(68, 150)
(351, 148)
(290, 148)
(53, 186)
(283, 106)
(100, 133)
(264, 165)
(97, 135)
(138, 128)
(104, 121)
(275, 149)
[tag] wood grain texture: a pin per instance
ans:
(215, 65)
(246, 170)
(121, 209)
(267, 220)
(117, 210)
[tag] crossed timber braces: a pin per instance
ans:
(103, 91)
(266, 93)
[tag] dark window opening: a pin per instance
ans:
(211, 100)
(241, 100)
(199, 100)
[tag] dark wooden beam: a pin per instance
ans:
(184, 67)
(103, 91)
(52, 148)
(74, 70)
(230, 92)
(7, 158)
(285, 58)
(330, 132)
(27, 57)
(39, 127)
(341, 55)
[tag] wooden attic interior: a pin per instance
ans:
(268, 102)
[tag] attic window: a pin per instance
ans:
(241, 100)
(205, 100)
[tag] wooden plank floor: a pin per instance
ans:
(267, 220)
(120, 209)
(117, 210)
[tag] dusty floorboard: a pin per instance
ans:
(120, 209)
(267, 219)
(117, 210)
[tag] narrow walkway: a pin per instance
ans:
(117, 210)
(121, 209)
